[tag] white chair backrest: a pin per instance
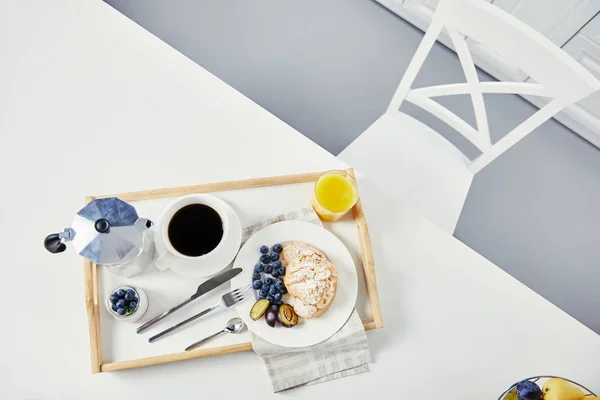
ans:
(557, 75)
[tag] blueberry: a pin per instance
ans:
(274, 256)
(114, 307)
(278, 302)
(133, 305)
(268, 281)
(275, 273)
(262, 293)
(276, 264)
(278, 281)
(113, 298)
(264, 249)
(277, 296)
(281, 270)
(255, 276)
(129, 296)
(120, 293)
(131, 291)
(268, 269)
(135, 299)
(257, 284)
(258, 268)
(279, 286)
(120, 311)
(527, 390)
(270, 298)
(265, 259)
(277, 248)
(121, 303)
(283, 290)
(273, 291)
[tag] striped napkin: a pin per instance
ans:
(344, 354)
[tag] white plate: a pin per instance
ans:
(308, 332)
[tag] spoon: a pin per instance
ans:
(234, 325)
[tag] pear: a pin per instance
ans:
(512, 395)
(559, 389)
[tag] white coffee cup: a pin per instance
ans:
(207, 264)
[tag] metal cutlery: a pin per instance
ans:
(234, 325)
(204, 288)
(227, 300)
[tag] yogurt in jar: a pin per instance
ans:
(122, 302)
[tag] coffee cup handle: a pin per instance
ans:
(162, 261)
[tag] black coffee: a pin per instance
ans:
(195, 230)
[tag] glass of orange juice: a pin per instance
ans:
(335, 194)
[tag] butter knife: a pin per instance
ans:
(206, 287)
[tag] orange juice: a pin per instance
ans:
(335, 194)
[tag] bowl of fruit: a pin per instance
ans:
(547, 387)
(127, 303)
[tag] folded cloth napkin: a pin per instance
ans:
(345, 353)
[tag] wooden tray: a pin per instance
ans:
(94, 298)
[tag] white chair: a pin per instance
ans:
(418, 165)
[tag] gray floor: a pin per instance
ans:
(329, 67)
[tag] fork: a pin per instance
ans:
(227, 300)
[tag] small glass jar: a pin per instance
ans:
(130, 314)
(335, 193)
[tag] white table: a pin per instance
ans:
(91, 103)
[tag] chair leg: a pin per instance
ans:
(415, 64)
